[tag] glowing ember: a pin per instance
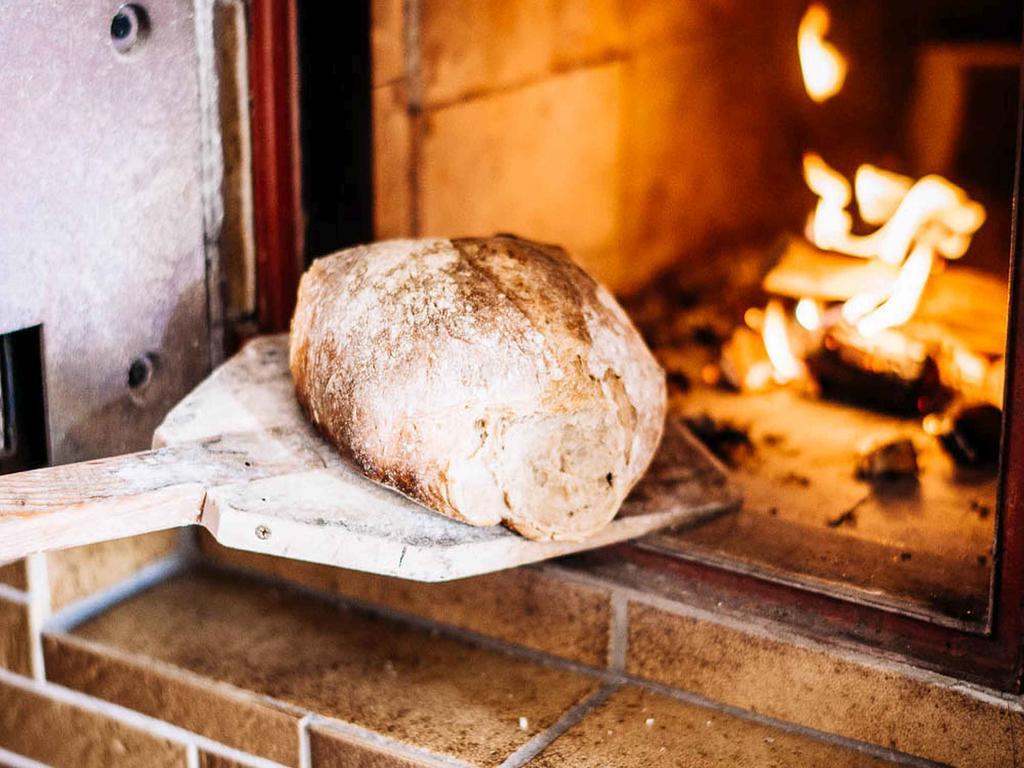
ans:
(823, 67)
(776, 343)
(754, 319)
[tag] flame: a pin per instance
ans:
(905, 296)
(823, 67)
(808, 314)
(879, 193)
(971, 368)
(918, 223)
(776, 343)
(933, 210)
(758, 377)
(826, 182)
(830, 224)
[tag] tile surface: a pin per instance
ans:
(80, 571)
(15, 653)
(533, 607)
(210, 760)
(236, 718)
(329, 749)
(387, 46)
(14, 575)
(65, 736)
(424, 689)
(815, 687)
(635, 727)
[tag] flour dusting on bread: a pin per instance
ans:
(491, 379)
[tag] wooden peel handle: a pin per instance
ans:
(65, 506)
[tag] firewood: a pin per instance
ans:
(888, 373)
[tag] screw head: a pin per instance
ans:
(262, 532)
(129, 27)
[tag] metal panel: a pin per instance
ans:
(101, 220)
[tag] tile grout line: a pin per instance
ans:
(39, 609)
(221, 688)
(305, 751)
(569, 718)
(14, 760)
(14, 595)
(618, 639)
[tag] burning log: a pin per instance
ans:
(888, 373)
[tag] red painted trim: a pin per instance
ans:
(277, 197)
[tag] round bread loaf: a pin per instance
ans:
(490, 379)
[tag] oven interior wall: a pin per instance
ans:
(647, 135)
(632, 136)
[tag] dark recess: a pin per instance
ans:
(23, 430)
(335, 127)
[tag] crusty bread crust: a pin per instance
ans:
(491, 379)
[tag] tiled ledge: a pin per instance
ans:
(607, 619)
(284, 674)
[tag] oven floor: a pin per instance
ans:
(922, 546)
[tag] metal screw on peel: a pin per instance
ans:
(262, 532)
(129, 27)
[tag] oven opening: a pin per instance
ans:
(834, 322)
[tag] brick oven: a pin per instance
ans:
(809, 210)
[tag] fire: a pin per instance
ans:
(932, 210)
(829, 226)
(879, 193)
(905, 295)
(823, 67)
(917, 225)
(808, 314)
(776, 343)
(928, 218)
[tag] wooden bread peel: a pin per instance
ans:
(238, 457)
